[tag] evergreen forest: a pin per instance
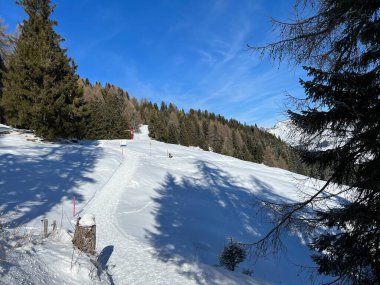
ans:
(112, 113)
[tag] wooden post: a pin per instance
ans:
(54, 226)
(46, 223)
(85, 234)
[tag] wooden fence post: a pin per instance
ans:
(46, 223)
(54, 225)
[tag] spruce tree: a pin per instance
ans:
(183, 135)
(340, 43)
(232, 255)
(107, 119)
(205, 126)
(172, 134)
(41, 90)
(5, 48)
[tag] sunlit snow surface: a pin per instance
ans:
(294, 136)
(159, 220)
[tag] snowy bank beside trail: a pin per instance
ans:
(4, 129)
(159, 220)
(52, 261)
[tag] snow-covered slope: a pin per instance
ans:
(159, 220)
(290, 134)
(286, 131)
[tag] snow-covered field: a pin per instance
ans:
(159, 220)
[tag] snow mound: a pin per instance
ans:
(87, 220)
(4, 129)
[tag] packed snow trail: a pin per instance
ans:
(132, 261)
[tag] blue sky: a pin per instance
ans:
(192, 53)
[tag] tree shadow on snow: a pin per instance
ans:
(31, 185)
(196, 216)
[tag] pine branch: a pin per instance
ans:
(288, 216)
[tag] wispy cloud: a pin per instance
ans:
(225, 79)
(206, 65)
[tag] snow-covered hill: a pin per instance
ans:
(290, 134)
(286, 132)
(159, 220)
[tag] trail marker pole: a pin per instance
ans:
(123, 144)
(45, 221)
(54, 225)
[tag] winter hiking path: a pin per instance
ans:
(131, 261)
